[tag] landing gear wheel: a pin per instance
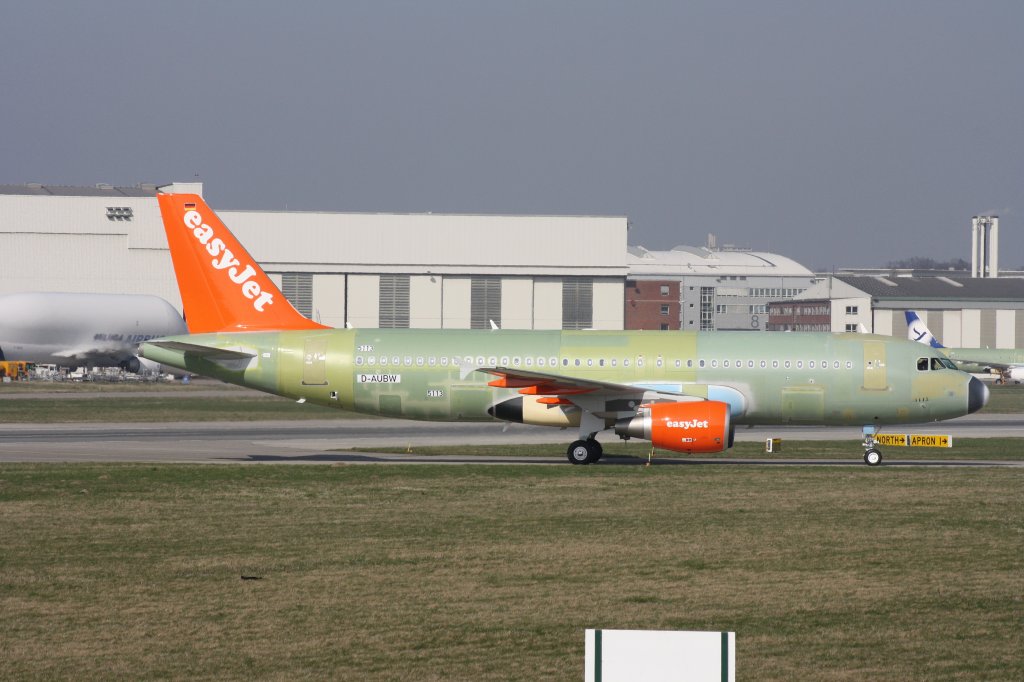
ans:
(584, 452)
(599, 449)
(873, 457)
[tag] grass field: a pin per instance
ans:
(987, 449)
(467, 573)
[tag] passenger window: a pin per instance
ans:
(689, 363)
(444, 361)
(750, 364)
(725, 363)
(700, 363)
(714, 363)
(540, 362)
(625, 362)
(788, 364)
(590, 362)
(775, 364)
(359, 359)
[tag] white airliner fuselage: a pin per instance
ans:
(83, 330)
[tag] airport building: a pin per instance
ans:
(968, 312)
(706, 288)
(467, 271)
(363, 270)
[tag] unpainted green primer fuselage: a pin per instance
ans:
(801, 378)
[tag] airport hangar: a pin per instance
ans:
(966, 312)
(360, 269)
(465, 271)
(401, 270)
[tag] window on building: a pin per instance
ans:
(707, 309)
(664, 290)
(851, 328)
(297, 287)
(394, 302)
(577, 303)
(664, 310)
(485, 302)
(664, 326)
(851, 310)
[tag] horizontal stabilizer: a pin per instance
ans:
(205, 352)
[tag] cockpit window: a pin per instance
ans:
(922, 364)
(949, 363)
(937, 364)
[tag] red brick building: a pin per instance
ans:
(652, 304)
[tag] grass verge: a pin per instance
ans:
(468, 573)
(986, 449)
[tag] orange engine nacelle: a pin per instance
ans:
(698, 426)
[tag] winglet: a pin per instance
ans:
(222, 287)
(917, 331)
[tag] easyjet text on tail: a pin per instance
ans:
(222, 287)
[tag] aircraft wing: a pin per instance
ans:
(542, 383)
(205, 352)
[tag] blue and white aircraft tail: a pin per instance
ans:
(918, 331)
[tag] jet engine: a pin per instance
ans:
(136, 364)
(694, 426)
(1015, 374)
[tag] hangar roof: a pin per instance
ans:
(690, 260)
(996, 289)
(101, 190)
(901, 289)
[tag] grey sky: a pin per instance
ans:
(835, 133)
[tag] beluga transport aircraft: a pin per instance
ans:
(683, 391)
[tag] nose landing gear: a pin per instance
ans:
(872, 455)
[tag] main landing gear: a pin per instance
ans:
(872, 455)
(584, 451)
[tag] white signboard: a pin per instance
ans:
(659, 656)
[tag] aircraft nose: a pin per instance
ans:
(977, 395)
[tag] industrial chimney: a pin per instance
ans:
(985, 246)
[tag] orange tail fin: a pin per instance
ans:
(221, 286)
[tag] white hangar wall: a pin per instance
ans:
(455, 271)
